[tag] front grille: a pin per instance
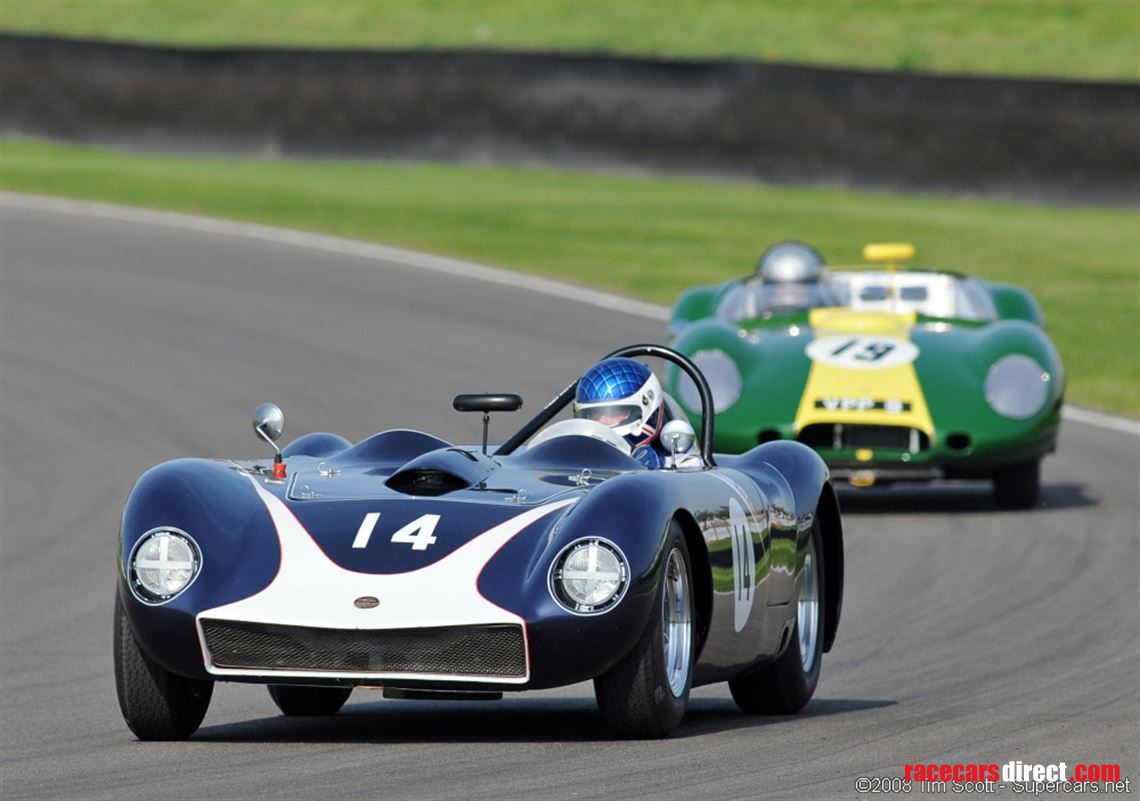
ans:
(493, 650)
(842, 436)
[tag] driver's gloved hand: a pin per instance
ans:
(648, 457)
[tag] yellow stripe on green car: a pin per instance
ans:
(862, 372)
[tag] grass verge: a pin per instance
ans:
(1094, 39)
(646, 237)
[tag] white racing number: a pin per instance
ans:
(743, 562)
(862, 352)
(364, 533)
(420, 533)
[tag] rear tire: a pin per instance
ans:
(156, 704)
(1018, 486)
(644, 696)
(784, 686)
(296, 701)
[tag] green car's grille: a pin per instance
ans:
(843, 437)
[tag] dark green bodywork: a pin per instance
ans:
(971, 440)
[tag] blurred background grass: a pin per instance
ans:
(651, 237)
(1093, 39)
(644, 236)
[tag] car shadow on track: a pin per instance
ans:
(518, 720)
(708, 716)
(956, 496)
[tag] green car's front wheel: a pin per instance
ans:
(1017, 486)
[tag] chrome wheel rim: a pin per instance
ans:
(808, 611)
(677, 623)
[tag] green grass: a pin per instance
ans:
(650, 237)
(1094, 39)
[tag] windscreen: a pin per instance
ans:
(755, 299)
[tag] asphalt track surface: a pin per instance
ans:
(968, 635)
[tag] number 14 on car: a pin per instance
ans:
(420, 533)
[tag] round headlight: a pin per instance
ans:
(590, 576)
(164, 563)
(1017, 386)
(724, 380)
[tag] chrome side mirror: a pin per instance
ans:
(268, 423)
(678, 436)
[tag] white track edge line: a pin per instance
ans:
(1109, 422)
(425, 261)
(343, 246)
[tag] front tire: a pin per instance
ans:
(784, 686)
(156, 704)
(296, 701)
(644, 696)
(1017, 486)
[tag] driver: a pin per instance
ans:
(793, 273)
(626, 396)
(790, 277)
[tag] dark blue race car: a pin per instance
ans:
(436, 571)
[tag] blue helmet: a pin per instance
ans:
(623, 394)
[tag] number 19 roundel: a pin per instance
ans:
(860, 352)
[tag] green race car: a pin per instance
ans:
(891, 375)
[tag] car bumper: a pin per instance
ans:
(548, 648)
(957, 454)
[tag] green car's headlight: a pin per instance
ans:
(1017, 386)
(724, 380)
(163, 564)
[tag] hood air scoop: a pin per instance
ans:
(440, 472)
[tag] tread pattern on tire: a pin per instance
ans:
(156, 704)
(634, 695)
